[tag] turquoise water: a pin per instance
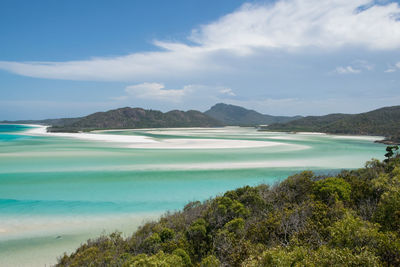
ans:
(58, 186)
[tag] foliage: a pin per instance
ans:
(210, 261)
(301, 256)
(239, 116)
(352, 219)
(332, 189)
(383, 122)
(158, 260)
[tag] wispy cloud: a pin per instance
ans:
(393, 68)
(289, 25)
(159, 92)
(305, 23)
(390, 69)
(356, 67)
(347, 70)
(227, 91)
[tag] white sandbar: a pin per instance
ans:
(138, 141)
(206, 144)
(42, 131)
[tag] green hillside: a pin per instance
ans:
(239, 116)
(383, 122)
(138, 118)
(352, 219)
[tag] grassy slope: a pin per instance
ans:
(349, 220)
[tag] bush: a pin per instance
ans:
(185, 257)
(323, 257)
(332, 189)
(358, 235)
(158, 260)
(167, 234)
(210, 261)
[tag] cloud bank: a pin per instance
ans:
(288, 25)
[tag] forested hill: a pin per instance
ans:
(383, 122)
(138, 118)
(352, 219)
(239, 116)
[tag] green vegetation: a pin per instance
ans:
(239, 116)
(352, 219)
(383, 122)
(125, 118)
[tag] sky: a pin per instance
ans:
(70, 58)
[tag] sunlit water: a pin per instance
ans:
(57, 192)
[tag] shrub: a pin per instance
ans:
(332, 189)
(166, 234)
(210, 261)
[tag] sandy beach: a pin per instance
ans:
(137, 141)
(144, 142)
(42, 131)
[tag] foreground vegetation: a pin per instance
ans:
(352, 219)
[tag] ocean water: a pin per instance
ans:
(55, 192)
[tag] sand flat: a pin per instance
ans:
(42, 131)
(138, 141)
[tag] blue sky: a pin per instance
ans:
(286, 57)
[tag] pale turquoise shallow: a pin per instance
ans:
(48, 183)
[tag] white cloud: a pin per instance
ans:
(300, 23)
(393, 68)
(157, 91)
(291, 25)
(227, 91)
(389, 70)
(347, 70)
(356, 67)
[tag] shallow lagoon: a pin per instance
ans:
(57, 191)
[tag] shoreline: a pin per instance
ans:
(97, 135)
(374, 138)
(144, 142)
(42, 245)
(41, 130)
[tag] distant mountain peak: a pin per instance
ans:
(237, 115)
